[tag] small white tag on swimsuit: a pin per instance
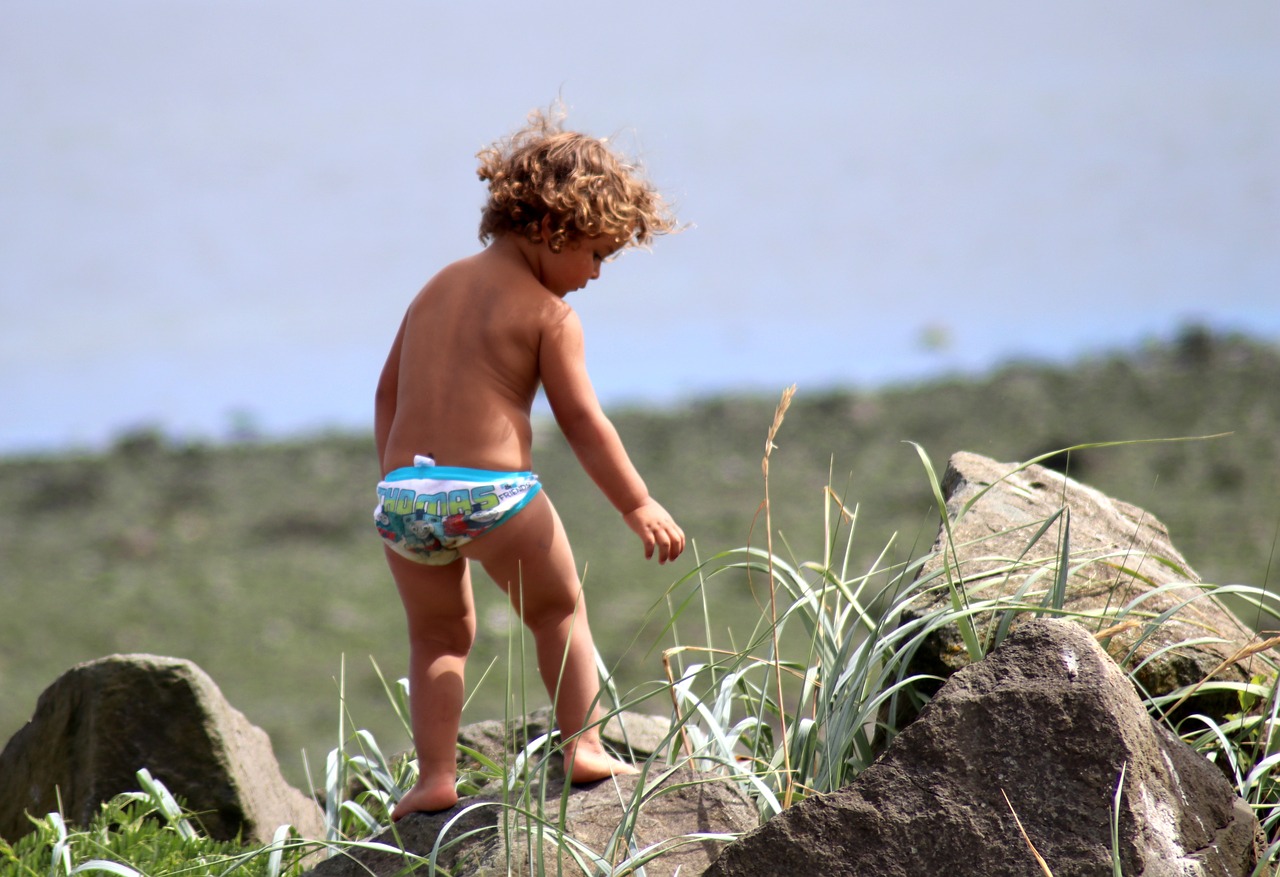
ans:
(421, 460)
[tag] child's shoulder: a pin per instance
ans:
(497, 288)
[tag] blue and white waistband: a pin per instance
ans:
(425, 467)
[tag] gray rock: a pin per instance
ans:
(1050, 720)
(1119, 553)
(102, 721)
(491, 838)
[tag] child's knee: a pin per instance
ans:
(553, 614)
(455, 639)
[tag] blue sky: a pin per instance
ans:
(215, 212)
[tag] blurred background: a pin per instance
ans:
(214, 213)
(994, 226)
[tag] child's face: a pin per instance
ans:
(577, 263)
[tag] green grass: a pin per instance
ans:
(140, 833)
(796, 704)
(212, 553)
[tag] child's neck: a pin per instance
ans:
(519, 251)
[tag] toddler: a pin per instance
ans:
(454, 439)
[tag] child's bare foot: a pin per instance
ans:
(426, 797)
(586, 764)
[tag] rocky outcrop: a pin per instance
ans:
(612, 820)
(102, 721)
(1119, 555)
(1050, 722)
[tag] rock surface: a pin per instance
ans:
(102, 721)
(634, 736)
(1050, 721)
(1119, 553)
(492, 839)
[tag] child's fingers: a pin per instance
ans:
(658, 532)
(671, 543)
(654, 543)
(677, 545)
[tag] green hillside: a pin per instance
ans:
(259, 562)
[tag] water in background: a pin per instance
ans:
(216, 212)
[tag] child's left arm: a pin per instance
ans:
(595, 441)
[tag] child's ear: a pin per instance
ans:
(547, 230)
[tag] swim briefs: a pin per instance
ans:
(425, 512)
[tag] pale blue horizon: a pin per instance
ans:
(217, 211)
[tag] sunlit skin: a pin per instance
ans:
(458, 384)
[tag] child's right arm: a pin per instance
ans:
(384, 401)
(595, 441)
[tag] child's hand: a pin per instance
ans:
(656, 529)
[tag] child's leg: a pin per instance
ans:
(530, 558)
(442, 625)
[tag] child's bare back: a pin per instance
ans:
(469, 350)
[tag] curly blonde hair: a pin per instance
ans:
(586, 189)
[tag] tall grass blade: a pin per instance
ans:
(335, 779)
(955, 582)
(1059, 598)
(276, 858)
(104, 865)
(779, 414)
(61, 852)
(1115, 823)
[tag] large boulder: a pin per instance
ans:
(612, 819)
(1048, 720)
(1120, 555)
(102, 721)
